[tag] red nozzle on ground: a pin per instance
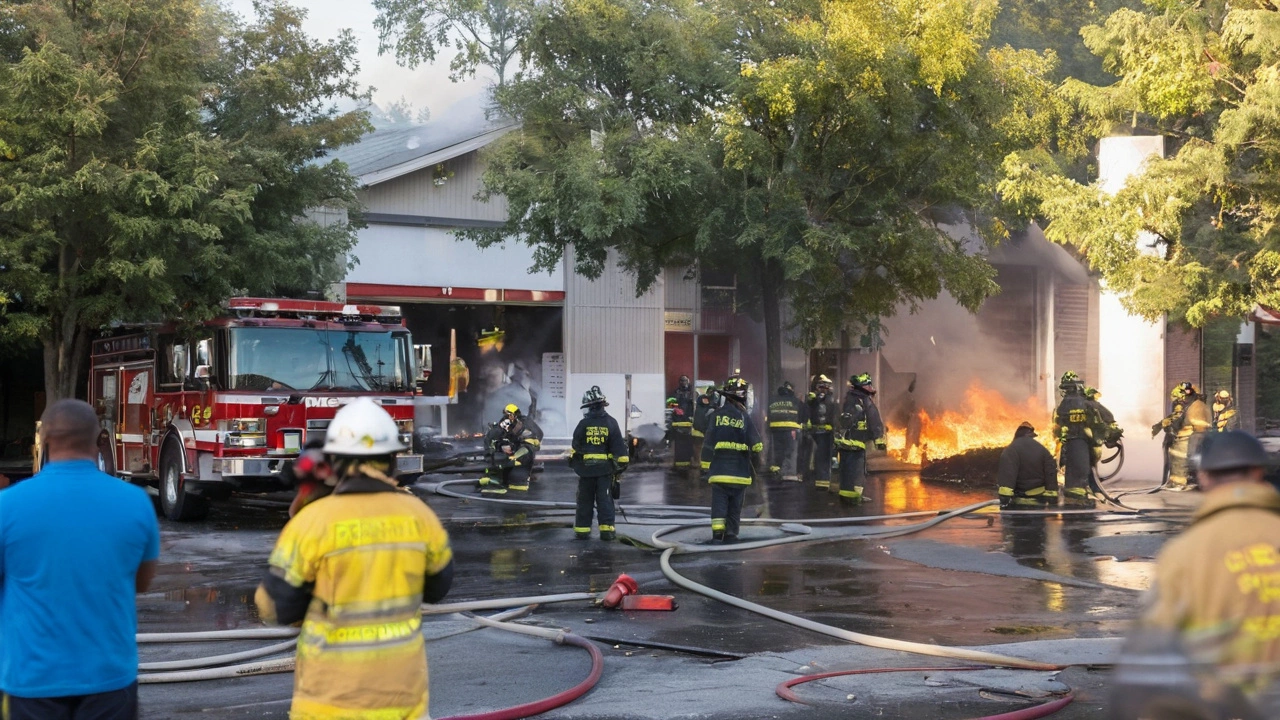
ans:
(649, 602)
(621, 587)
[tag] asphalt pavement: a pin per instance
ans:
(1057, 589)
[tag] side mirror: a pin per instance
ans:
(202, 372)
(180, 362)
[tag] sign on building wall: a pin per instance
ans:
(553, 375)
(677, 321)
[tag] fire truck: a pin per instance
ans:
(228, 406)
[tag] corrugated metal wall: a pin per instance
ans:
(681, 292)
(1071, 331)
(607, 328)
(417, 193)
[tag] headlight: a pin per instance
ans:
(247, 425)
(246, 433)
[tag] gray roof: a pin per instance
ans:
(396, 150)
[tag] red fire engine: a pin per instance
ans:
(229, 405)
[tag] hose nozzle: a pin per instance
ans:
(623, 586)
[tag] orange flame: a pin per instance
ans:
(984, 419)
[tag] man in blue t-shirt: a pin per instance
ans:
(76, 546)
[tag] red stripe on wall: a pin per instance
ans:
(375, 291)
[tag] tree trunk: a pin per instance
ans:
(771, 279)
(65, 349)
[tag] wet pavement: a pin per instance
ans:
(975, 580)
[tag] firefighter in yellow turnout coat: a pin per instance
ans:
(731, 446)
(354, 568)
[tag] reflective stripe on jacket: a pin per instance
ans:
(731, 440)
(784, 412)
(364, 558)
(859, 422)
(598, 446)
(1218, 584)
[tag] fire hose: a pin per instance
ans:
(785, 692)
(199, 669)
(1117, 457)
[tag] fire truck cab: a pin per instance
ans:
(229, 405)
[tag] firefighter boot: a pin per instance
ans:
(1078, 498)
(607, 533)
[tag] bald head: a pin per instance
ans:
(69, 429)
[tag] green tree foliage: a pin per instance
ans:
(1054, 25)
(158, 156)
(815, 147)
(1195, 235)
(485, 33)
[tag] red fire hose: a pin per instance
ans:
(555, 701)
(785, 692)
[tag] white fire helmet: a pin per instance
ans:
(362, 429)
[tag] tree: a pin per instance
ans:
(1193, 235)
(150, 169)
(486, 33)
(814, 147)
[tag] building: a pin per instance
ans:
(499, 332)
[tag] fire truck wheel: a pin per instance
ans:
(175, 501)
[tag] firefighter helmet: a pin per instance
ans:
(512, 409)
(593, 397)
(672, 402)
(1177, 393)
(860, 380)
(362, 429)
(823, 381)
(1188, 389)
(1224, 396)
(736, 388)
(1068, 378)
(786, 388)
(1092, 393)
(1232, 450)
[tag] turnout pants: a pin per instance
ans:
(820, 459)
(782, 452)
(1182, 449)
(853, 473)
(115, 705)
(726, 509)
(593, 494)
(682, 448)
(1077, 461)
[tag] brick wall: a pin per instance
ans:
(1181, 355)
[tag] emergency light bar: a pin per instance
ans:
(315, 308)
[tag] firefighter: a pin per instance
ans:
(598, 455)
(820, 417)
(1027, 475)
(360, 651)
(701, 411)
(1213, 598)
(728, 458)
(681, 404)
(859, 424)
(1108, 432)
(1225, 417)
(784, 426)
(1169, 426)
(526, 437)
(1189, 431)
(498, 449)
(1074, 421)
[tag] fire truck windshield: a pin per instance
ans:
(310, 359)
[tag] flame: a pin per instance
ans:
(984, 419)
